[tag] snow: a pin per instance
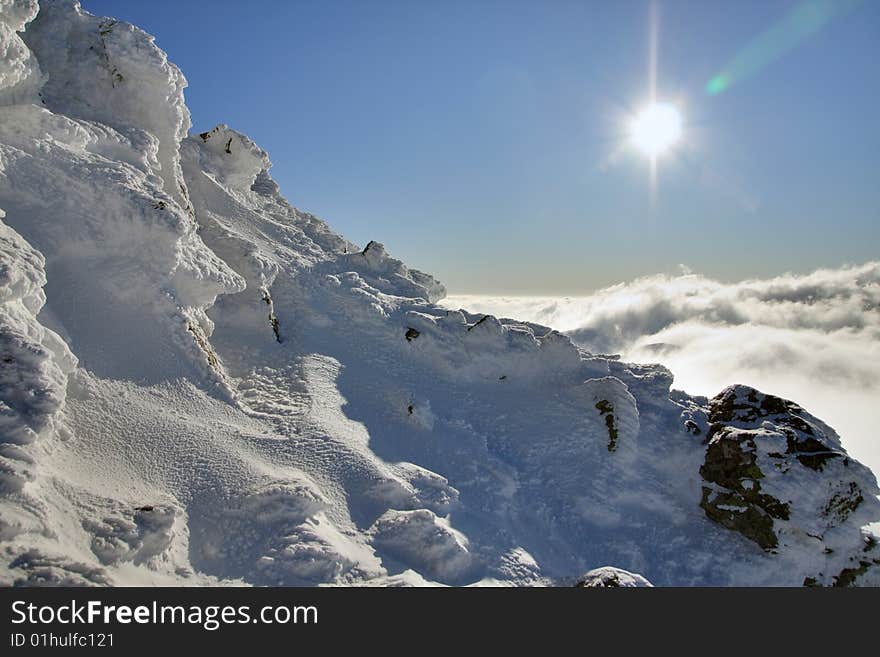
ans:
(35, 360)
(202, 384)
(608, 576)
(425, 542)
(20, 75)
(86, 59)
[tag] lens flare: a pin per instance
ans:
(802, 21)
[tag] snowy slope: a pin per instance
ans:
(202, 384)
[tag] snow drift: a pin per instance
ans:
(202, 384)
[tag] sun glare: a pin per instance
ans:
(656, 129)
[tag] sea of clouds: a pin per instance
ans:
(814, 339)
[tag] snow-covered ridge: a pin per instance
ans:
(202, 384)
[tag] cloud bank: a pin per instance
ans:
(812, 338)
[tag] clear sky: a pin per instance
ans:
(486, 142)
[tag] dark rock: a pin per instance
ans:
(848, 576)
(744, 422)
(692, 427)
(606, 409)
(273, 318)
(202, 341)
(735, 499)
(843, 503)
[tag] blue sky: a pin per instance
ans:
(485, 142)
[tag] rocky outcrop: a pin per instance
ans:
(775, 474)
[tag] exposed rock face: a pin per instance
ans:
(731, 465)
(776, 474)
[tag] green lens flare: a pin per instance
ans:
(717, 84)
(800, 23)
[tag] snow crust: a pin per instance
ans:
(202, 384)
(610, 577)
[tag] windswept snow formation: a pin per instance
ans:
(200, 383)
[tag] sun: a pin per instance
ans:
(656, 129)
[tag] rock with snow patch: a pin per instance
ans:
(610, 577)
(780, 477)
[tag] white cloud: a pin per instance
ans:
(814, 338)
